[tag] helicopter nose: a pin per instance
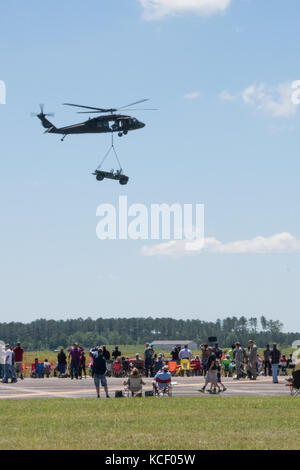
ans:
(141, 125)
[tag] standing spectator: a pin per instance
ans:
(211, 369)
(2, 360)
(252, 359)
(99, 370)
(62, 362)
(219, 379)
(19, 352)
(185, 353)
(82, 365)
(231, 353)
(106, 353)
(148, 358)
(9, 371)
(218, 352)
(275, 358)
(267, 362)
(116, 353)
(174, 354)
(204, 357)
(196, 366)
(239, 360)
(290, 362)
(74, 354)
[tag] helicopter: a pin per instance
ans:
(111, 122)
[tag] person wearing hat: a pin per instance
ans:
(148, 358)
(99, 370)
(239, 360)
(19, 353)
(162, 379)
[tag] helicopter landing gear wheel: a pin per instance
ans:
(99, 178)
(120, 134)
(125, 132)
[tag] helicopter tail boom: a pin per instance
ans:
(45, 123)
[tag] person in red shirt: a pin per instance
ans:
(196, 366)
(283, 364)
(19, 352)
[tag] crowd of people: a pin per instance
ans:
(238, 362)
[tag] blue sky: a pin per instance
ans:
(226, 135)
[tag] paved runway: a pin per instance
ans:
(185, 386)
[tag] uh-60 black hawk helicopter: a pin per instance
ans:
(109, 123)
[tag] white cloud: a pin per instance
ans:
(225, 96)
(274, 101)
(156, 9)
(192, 96)
(279, 243)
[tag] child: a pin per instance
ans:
(219, 380)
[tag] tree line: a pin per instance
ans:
(50, 334)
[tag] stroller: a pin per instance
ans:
(294, 383)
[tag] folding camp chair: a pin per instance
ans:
(134, 387)
(163, 388)
(173, 367)
(295, 383)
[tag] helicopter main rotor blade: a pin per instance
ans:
(131, 104)
(92, 112)
(140, 109)
(130, 109)
(101, 110)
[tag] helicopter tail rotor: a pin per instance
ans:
(42, 116)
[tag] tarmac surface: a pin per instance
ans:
(183, 386)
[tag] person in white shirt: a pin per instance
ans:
(2, 359)
(9, 371)
(185, 353)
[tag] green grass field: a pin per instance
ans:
(151, 423)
